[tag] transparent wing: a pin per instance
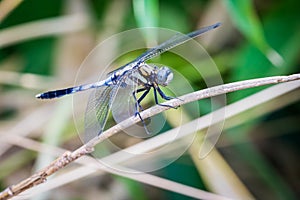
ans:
(98, 107)
(173, 42)
(125, 106)
(100, 103)
(167, 45)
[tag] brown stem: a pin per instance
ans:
(87, 148)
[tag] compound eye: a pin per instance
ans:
(164, 76)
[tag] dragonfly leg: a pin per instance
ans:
(143, 95)
(143, 122)
(163, 96)
(138, 105)
(138, 101)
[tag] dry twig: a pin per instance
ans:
(87, 148)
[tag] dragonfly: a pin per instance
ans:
(136, 75)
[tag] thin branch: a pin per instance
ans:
(87, 148)
(93, 167)
(40, 28)
(149, 145)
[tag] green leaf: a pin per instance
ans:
(146, 15)
(244, 16)
(146, 12)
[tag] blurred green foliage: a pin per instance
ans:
(262, 26)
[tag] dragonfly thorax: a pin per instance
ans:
(164, 76)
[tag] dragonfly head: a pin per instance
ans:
(164, 76)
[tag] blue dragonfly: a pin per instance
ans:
(136, 75)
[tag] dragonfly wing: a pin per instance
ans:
(117, 98)
(102, 100)
(98, 107)
(123, 106)
(173, 42)
(165, 46)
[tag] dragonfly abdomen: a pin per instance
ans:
(57, 93)
(71, 90)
